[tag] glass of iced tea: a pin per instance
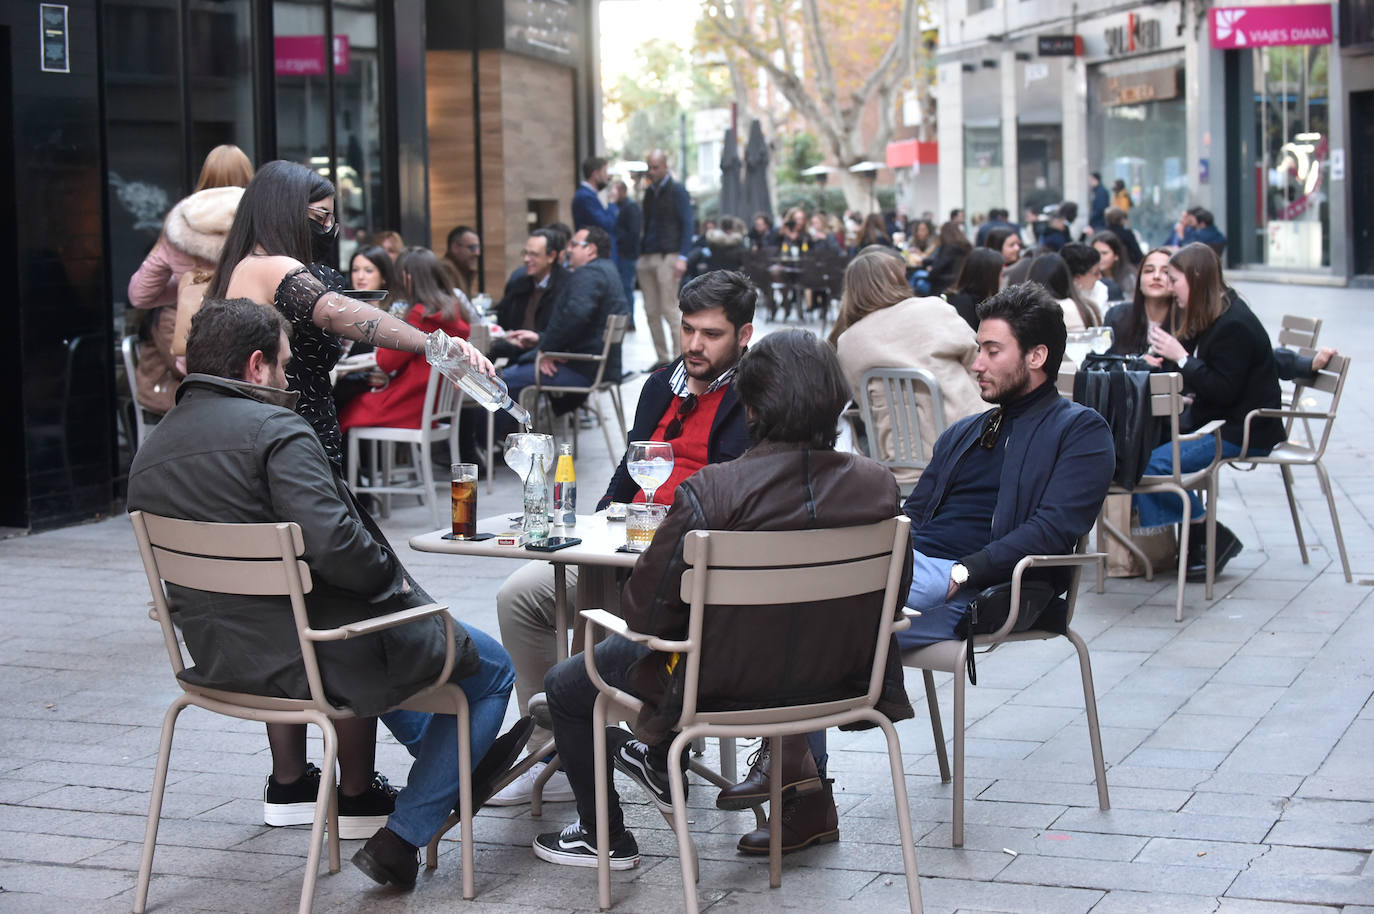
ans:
(641, 520)
(464, 500)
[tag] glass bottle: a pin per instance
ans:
(443, 353)
(565, 488)
(537, 502)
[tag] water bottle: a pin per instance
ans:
(537, 502)
(565, 488)
(443, 353)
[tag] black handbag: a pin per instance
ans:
(988, 611)
(1118, 387)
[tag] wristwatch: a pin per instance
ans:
(958, 574)
(1183, 360)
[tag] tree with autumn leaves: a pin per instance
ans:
(830, 62)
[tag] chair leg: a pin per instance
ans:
(960, 682)
(465, 796)
(603, 805)
(1335, 519)
(325, 810)
(677, 786)
(352, 462)
(1287, 473)
(1183, 552)
(1085, 668)
(774, 821)
(908, 838)
(164, 756)
(427, 495)
(1211, 534)
(1101, 547)
(727, 758)
(937, 730)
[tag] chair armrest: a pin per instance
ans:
(1211, 428)
(1049, 561)
(1287, 414)
(375, 624)
(616, 625)
(568, 356)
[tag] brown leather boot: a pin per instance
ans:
(806, 820)
(799, 775)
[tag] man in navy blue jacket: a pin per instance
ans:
(1025, 478)
(587, 208)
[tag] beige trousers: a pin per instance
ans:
(659, 285)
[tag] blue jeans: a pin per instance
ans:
(929, 588)
(626, 266)
(431, 790)
(1163, 509)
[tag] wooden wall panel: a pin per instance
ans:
(448, 116)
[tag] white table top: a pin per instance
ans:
(600, 539)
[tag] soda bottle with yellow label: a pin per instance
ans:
(565, 488)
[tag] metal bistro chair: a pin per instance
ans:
(265, 560)
(737, 568)
(1331, 381)
(899, 391)
(1166, 401)
(1298, 333)
(144, 418)
(438, 421)
(540, 395)
(951, 657)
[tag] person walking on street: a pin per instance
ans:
(666, 242)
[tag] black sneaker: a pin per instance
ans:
(644, 766)
(294, 803)
(575, 846)
(387, 857)
(362, 815)
(498, 760)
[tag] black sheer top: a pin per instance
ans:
(314, 351)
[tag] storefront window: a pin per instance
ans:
(1291, 125)
(982, 169)
(353, 162)
(1143, 122)
(154, 153)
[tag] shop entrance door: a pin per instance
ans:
(1361, 171)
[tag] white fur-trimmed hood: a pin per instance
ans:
(199, 224)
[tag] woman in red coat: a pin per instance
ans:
(400, 401)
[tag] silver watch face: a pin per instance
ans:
(958, 574)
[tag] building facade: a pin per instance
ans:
(425, 114)
(1251, 110)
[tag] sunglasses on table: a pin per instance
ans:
(684, 409)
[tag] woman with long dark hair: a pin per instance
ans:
(1152, 304)
(1116, 266)
(949, 257)
(1227, 363)
(284, 223)
(372, 270)
(1050, 271)
(979, 279)
(1006, 242)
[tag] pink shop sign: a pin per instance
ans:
(1261, 26)
(303, 55)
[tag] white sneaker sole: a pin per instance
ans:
(569, 858)
(549, 796)
(351, 828)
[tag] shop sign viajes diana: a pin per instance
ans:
(1270, 26)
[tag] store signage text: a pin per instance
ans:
(1135, 36)
(303, 55)
(1270, 26)
(1138, 88)
(1059, 45)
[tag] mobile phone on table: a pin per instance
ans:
(554, 543)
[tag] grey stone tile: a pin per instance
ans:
(952, 894)
(65, 882)
(1322, 833)
(1163, 825)
(1121, 901)
(1087, 845)
(1229, 856)
(1086, 795)
(1250, 906)
(1110, 874)
(1307, 875)
(1200, 732)
(1236, 804)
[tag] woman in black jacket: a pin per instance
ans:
(949, 257)
(1227, 363)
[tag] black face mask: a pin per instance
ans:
(322, 241)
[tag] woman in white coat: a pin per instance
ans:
(882, 326)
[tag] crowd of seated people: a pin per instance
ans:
(1019, 470)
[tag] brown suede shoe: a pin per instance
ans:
(799, 775)
(806, 820)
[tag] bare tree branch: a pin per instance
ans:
(820, 55)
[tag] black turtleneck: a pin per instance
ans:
(962, 524)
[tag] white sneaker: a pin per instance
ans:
(517, 792)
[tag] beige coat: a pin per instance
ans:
(917, 333)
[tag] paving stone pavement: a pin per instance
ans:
(1238, 742)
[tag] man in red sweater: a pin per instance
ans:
(691, 404)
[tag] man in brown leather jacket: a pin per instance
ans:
(792, 479)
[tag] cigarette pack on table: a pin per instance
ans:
(512, 538)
